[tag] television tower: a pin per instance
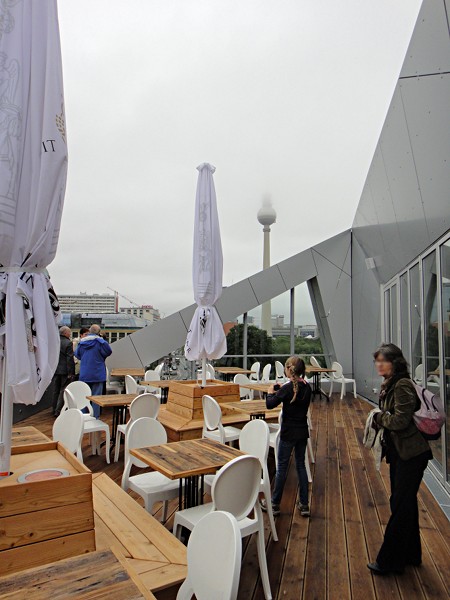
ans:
(267, 217)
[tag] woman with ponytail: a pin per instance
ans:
(295, 395)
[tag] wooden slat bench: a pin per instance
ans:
(151, 554)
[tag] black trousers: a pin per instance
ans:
(59, 383)
(401, 545)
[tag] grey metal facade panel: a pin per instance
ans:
(298, 268)
(236, 300)
(187, 314)
(426, 104)
(267, 284)
(428, 51)
(160, 338)
(336, 250)
(124, 354)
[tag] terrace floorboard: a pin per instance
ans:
(325, 557)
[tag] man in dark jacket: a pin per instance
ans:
(65, 371)
(92, 352)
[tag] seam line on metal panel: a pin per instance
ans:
(331, 262)
(282, 278)
(135, 349)
(424, 75)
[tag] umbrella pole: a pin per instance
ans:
(6, 419)
(203, 372)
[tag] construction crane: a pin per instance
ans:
(116, 293)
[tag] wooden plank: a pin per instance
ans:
(146, 593)
(166, 576)
(98, 574)
(72, 459)
(25, 436)
(105, 538)
(22, 449)
(30, 528)
(168, 545)
(25, 557)
(41, 495)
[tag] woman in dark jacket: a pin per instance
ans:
(295, 396)
(407, 453)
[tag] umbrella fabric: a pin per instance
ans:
(206, 338)
(33, 168)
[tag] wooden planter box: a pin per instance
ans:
(44, 521)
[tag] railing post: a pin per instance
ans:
(244, 342)
(292, 323)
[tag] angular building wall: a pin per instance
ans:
(405, 204)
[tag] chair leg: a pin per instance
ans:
(354, 389)
(79, 454)
(311, 452)
(107, 445)
(308, 468)
(331, 388)
(343, 392)
(164, 511)
(268, 497)
(117, 448)
(177, 529)
(262, 557)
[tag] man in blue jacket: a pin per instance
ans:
(92, 352)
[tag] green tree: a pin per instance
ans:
(258, 342)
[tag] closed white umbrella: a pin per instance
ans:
(33, 168)
(206, 338)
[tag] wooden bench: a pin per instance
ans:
(153, 557)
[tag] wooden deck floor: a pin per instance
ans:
(325, 557)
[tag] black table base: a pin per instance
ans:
(191, 491)
(316, 389)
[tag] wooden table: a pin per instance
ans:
(263, 388)
(144, 546)
(316, 372)
(163, 384)
(128, 371)
(119, 403)
(256, 409)
(96, 575)
(26, 436)
(229, 372)
(188, 460)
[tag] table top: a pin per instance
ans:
(160, 383)
(95, 574)
(310, 369)
(113, 399)
(233, 370)
(438, 372)
(257, 387)
(187, 458)
(134, 372)
(24, 436)
(251, 407)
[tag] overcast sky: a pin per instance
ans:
(286, 99)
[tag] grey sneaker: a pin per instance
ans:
(304, 509)
(275, 507)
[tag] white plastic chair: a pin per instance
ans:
(113, 386)
(159, 368)
(152, 487)
(91, 425)
(255, 368)
(212, 423)
(68, 429)
(132, 387)
(279, 372)
(338, 377)
(323, 377)
(214, 555)
(274, 440)
(210, 371)
(254, 440)
(145, 405)
(244, 393)
(244, 474)
(265, 377)
(152, 375)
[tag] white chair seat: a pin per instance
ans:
(231, 434)
(153, 482)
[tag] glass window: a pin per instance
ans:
(431, 325)
(416, 327)
(445, 283)
(394, 321)
(387, 315)
(404, 317)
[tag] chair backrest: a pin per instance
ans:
(152, 375)
(214, 556)
(141, 433)
(244, 474)
(241, 378)
(338, 370)
(130, 385)
(266, 373)
(210, 371)
(212, 413)
(279, 370)
(68, 429)
(77, 396)
(255, 368)
(418, 373)
(255, 439)
(145, 405)
(314, 362)
(159, 368)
